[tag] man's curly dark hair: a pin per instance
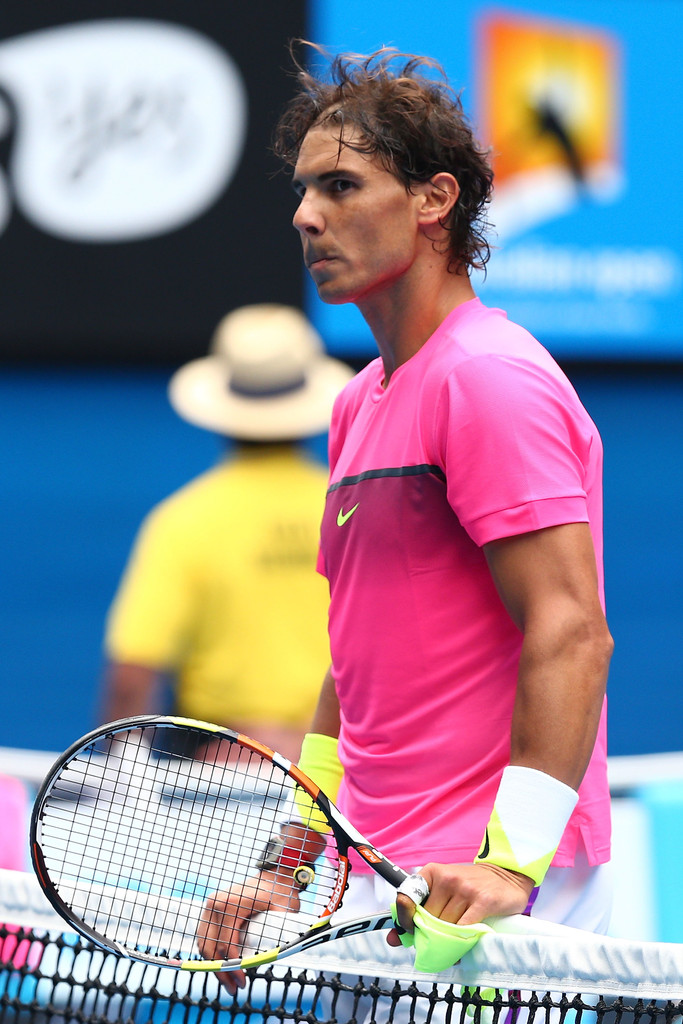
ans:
(412, 121)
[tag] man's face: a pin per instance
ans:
(357, 222)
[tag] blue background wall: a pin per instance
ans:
(87, 452)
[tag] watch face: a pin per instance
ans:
(270, 858)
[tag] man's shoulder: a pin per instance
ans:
(486, 345)
(480, 330)
(188, 499)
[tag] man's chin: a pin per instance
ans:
(333, 296)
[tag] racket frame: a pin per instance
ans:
(345, 834)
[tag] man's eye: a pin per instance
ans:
(341, 185)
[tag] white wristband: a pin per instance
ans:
(528, 820)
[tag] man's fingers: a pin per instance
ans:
(467, 894)
(472, 915)
(218, 931)
(209, 929)
(226, 915)
(405, 912)
(217, 943)
(232, 980)
(413, 891)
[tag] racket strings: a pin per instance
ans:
(136, 833)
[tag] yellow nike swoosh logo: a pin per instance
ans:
(342, 516)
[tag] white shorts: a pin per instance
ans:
(580, 896)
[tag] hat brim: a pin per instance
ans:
(200, 393)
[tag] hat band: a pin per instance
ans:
(252, 391)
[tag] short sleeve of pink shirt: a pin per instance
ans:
(519, 451)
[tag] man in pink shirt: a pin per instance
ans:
(426, 472)
(463, 717)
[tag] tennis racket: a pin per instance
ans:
(140, 822)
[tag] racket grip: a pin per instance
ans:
(415, 888)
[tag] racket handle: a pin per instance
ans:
(415, 888)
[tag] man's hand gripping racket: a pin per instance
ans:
(157, 855)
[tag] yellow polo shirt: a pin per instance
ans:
(221, 589)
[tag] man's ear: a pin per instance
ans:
(439, 196)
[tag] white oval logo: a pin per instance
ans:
(123, 128)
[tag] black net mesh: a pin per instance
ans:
(48, 978)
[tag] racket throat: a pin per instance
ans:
(390, 872)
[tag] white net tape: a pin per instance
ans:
(521, 953)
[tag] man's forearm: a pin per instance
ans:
(560, 693)
(326, 717)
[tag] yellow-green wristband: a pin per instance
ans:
(527, 822)
(320, 761)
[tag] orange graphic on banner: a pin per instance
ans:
(549, 107)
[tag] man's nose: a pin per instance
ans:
(307, 218)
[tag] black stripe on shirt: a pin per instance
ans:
(374, 474)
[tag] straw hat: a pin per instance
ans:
(266, 378)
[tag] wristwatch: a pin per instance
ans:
(272, 852)
(272, 858)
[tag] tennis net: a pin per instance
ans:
(517, 973)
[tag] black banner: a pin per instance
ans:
(139, 199)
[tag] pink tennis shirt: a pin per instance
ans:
(478, 436)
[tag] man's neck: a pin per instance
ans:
(402, 321)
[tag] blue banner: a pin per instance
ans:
(582, 114)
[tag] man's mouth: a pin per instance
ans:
(318, 260)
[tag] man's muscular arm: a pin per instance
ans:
(548, 582)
